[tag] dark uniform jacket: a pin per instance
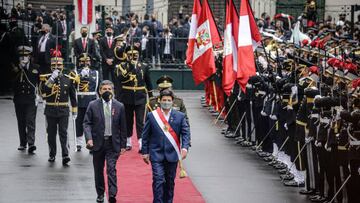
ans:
(87, 88)
(57, 95)
(135, 83)
(25, 84)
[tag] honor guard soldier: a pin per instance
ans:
(56, 89)
(135, 84)
(25, 91)
(86, 92)
(120, 57)
(165, 82)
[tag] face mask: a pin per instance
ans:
(107, 96)
(84, 34)
(109, 34)
(144, 33)
(62, 18)
(24, 59)
(133, 25)
(42, 32)
(166, 105)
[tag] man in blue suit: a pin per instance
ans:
(165, 141)
(105, 131)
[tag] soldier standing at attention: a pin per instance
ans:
(165, 82)
(135, 84)
(86, 92)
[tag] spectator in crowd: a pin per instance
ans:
(84, 44)
(107, 46)
(30, 15)
(44, 45)
(135, 34)
(45, 15)
(35, 30)
(181, 34)
(147, 45)
(167, 48)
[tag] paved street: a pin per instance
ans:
(221, 170)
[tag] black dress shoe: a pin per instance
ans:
(268, 159)
(318, 198)
(283, 171)
(264, 154)
(51, 159)
(31, 149)
(100, 198)
(66, 161)
(128, 148)
(293, 183)
(280, 166)
(112, 200)
(287, 177)
(78, 148)
(307, 192)
(21, 148)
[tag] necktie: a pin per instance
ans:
(41, 42)
(107, 109)
(84, 44)
(109, 42)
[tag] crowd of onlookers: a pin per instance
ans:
(158, 43)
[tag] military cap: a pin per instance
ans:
(132, 50)
(164, 81)
(97, 33)
(84, 57)
(119, 38)
(24, 50)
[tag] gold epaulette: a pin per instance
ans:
(75, 78)
(122, 70)
(44, 77)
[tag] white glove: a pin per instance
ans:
(308, 140)
(294, 90)
(273, 117)
(54, 75)
(327, 148)
(85, 72)
(286, 127)
(263, 113)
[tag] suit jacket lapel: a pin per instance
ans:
(172, 118)
(101, 109)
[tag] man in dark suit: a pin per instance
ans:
(107, 47)
(165, 141)
(105, 130)
(181, 33)
(45, 43)
(84, 44)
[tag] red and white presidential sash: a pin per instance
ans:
(167, 130)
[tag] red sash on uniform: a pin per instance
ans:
(167, 130)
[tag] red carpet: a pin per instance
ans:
(135, 181)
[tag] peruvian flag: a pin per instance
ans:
(192, 34)
(248, 39)
(230, 47)
(203, 60)
(85, 9)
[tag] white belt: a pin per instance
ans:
(262, 92)
(314, 115)
(324, 120)
(86, 93)
(354, 143)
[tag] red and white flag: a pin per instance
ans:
(248, 40)
(203, 62)
(85, 11)
(230, 47)
(192, 33)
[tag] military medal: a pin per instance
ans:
(166, 128)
